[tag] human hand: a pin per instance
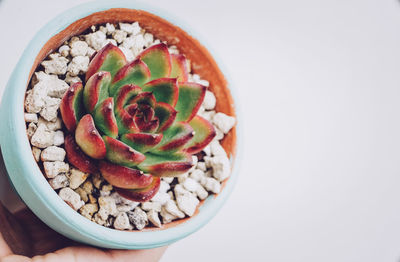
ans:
(23, 235)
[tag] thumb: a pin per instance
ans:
(4, 248)
(13, 238)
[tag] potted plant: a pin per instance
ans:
(27, 175)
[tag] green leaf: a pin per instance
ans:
(166, 165)
(204, 133)
(158, 60)
(136, 73)
(191, 96)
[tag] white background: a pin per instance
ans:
(318, 82)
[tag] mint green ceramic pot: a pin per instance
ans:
(33, 188)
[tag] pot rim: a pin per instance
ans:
(45, 202)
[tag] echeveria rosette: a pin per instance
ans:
(135, 122)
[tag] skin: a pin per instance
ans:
(46, 245)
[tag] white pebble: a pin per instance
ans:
(53, 86)
(148, 39)
(36, 153)
(122, 221)
(136, 42)
(122, 200)
(182, 177)
(147, 206)
(42, 138)
(201, 193)
(161, 197)
(53, 153)
(57, 65)
(91, 52)
(34, 98)
(78, 65)
(166, 216)
(59, 181)
(119, 35)
(179, 190)
(58, 138)
(77, 178)
(50, 108)
(209, 100)
(223, 122)
(219, 134)
(196, 174)
(88, 210)
(152, 216)
(30, 131)
(138, 218)
(31, 117)
(201, 166)
(164, 187)
(168, 179)
(73, 39)
(72, 79)
(110, 28)
(107, 207)
(217, 149)
(211, 184)
(207, 161)
(96, 40)
(173, 50)
(64, 50)
(194, 163)
(52, 169)
(128, 54)
(79, 48)
(221, 167)
(207, 150)
(208, 115)
(112, 41)
(103, 29)
(187, 203)
(50, 125)
(130, 28)
(71, 198)
(172, 208)
(191, 184)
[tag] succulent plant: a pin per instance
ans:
(135, 122)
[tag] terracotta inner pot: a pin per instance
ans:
(202, 62)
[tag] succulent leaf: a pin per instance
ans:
(88, 138)
(166, 115)
(144, 98)
(70, 107)
(166, 165)
(164, 89)
(141, 195)
(179, 67)
(158, 60)
(174, 138)
(110, 58)
(125, 121)
(142, 142)
(204, 133)
(104, 118)
(144, 125)
(96, 90)
(124, 177)
(77, 157)
(191, 96)
(136, 73)
(131, 109)
(122, 154)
